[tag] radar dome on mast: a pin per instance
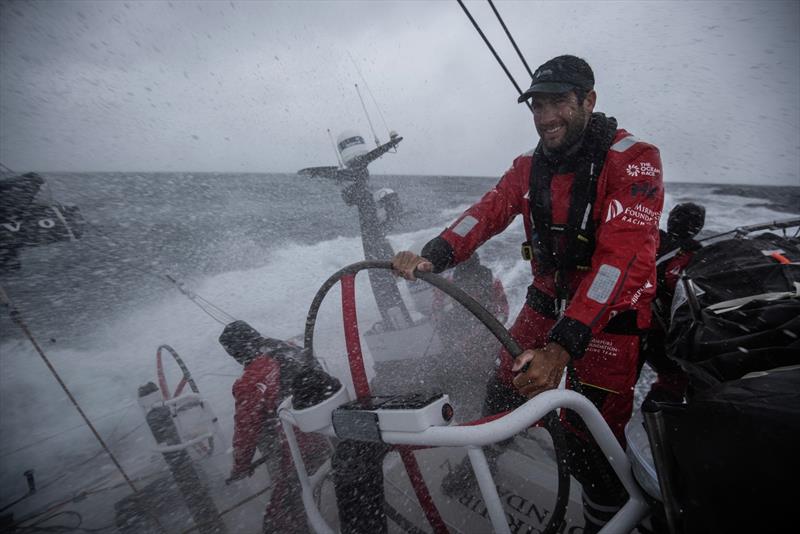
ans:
(350, 145)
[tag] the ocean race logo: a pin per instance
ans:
(643, 168)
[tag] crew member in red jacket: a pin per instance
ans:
(270, 365)
(676, 249)
(677, 246)
(590, 195)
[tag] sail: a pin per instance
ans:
(25, 222)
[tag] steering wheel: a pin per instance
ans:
(186, 379)
(551, 421)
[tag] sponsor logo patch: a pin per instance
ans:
(603, 346)
(636, 296)
(637, 215)
(643, 189)
(614, 209)
(643, 168)
(640, 215)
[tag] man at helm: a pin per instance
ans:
(590, 195)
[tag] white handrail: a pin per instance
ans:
(473, 437)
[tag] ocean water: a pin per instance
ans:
(254, 247)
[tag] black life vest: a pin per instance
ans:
(560, 248)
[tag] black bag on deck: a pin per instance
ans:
(738, 315)
(735, 446)
(735, 442)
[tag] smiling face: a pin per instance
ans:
(560, 118)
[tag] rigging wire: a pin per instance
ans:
(208, 307)
(513, 42)
(7, 168)
(16, 317)
(491, 48)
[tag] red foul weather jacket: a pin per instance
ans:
(626, 213)
(257, 394)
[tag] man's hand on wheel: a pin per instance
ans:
(544, 369)
(406, 261)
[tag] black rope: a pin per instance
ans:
(491, 48)
(513, 42)
(744, 230)
(39, 527)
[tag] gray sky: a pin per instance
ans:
(253, 86)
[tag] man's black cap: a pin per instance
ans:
(241, 341)
(559, 75)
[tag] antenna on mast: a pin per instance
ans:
(375, 102)
(377, 141)
(336, 150)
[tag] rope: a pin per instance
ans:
(745, 230)
(17, 318)
(491, 48)
(38, 527)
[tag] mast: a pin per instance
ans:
(356, 158)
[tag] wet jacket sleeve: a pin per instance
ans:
(256, 395)
(622, 273)
(488, 217)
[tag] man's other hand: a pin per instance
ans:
(544, 371)
(406, 261)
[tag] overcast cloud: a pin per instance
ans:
(253, 86)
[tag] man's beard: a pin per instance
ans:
(573, 136)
